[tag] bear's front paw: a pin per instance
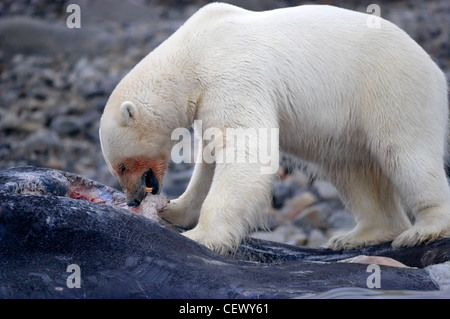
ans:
(179, 214)
(210, 239)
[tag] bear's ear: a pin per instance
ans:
(128, 113)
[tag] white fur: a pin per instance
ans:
(367, 106)
(128, 111)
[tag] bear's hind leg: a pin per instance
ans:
(375, 204)
(420, 179)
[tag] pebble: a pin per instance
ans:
(299, 203)
(281, 192)
(325, 189)
(66, 125)
(317, 238)
(287, 233)
(377, 260)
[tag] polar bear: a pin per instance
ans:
(365, 105)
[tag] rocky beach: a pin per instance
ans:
(55, 81)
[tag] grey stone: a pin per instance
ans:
(68, 125)
(33, 36)
(325, 190)
(341, 219)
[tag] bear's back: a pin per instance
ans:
(221, 30)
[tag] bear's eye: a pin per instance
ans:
(122, 168)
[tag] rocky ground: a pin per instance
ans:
(55, 81)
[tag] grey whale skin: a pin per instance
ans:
(50, 219)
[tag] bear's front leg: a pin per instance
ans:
(185, 210)
(236, 204)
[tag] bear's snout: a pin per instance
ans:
(148, 183)
(134, 203)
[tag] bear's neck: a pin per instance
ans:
(173, 85)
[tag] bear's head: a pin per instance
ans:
(133, 146)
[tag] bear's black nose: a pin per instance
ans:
(134, 203)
